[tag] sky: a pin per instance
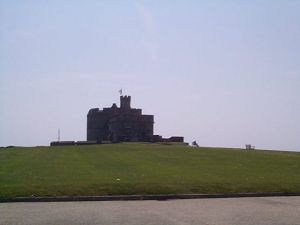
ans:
(223, 73)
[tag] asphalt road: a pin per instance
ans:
(230, 211)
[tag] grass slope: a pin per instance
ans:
(137, 168)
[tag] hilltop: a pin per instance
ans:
(143, 168)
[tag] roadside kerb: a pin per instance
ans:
(142, 197)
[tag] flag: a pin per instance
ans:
(120, 91)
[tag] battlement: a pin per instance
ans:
(125, 102)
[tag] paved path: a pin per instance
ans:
(230, 211)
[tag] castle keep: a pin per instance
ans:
(119, 123)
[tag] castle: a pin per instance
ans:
(119, 124)
(122, 123)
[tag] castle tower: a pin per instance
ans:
(125, 102)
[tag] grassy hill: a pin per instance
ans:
(140, 168)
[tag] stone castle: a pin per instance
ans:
(122, 123)
(118, 124)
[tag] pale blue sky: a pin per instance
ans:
(224, 73)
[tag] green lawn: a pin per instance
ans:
(140, 168)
